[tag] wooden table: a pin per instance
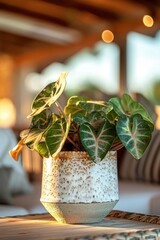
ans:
(117, 225)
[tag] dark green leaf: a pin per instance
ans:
(41, 120)
(56, 135)
(90, 106)
(132, 107)
(135, 134)
(96, 119)
(117, 106)
(97, 144)
(79, 118)
(127, 106)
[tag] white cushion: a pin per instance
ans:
(136, 196)
(12, 211)
(155, 204)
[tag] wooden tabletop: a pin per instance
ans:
(117, 225)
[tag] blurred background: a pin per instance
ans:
(108, 47)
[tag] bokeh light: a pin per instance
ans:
(148, 21)
(7, 113)
(107, 36)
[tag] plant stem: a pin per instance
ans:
(60, 109)
(70, 140)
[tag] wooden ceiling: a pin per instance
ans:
(42, 31)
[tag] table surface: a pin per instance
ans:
(117, 225)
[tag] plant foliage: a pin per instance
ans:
(85, 125)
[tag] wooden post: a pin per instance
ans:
(122, 43)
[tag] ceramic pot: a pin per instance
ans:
(77, 190)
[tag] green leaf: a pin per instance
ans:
(127, 106)
(79, 118)
(97, 144)
(135, 134)
(41, 120)
(132, 107)
(41, 148)
(56, 135)
(96, 119)
(112, 116)
(115, 102)
(48, 95)
(73, 106)
(90, 106)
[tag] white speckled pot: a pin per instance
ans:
(77, 190)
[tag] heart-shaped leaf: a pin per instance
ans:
(94, 118)
(97, 144)
(56, 135)
(48, 95)
(127, 106)
(132, 107)
(135, 134)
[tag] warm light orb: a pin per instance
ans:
(7, 113)
(157, 109)
(148, 21)
(107, 36)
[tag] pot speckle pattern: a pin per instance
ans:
(74, 178)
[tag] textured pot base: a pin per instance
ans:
(79, 212)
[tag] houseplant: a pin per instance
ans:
(92, 129)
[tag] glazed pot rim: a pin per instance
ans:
(72, 155)
(76, 155)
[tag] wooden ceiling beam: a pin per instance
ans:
(45, 56)
(36, 29)
(37, 7)
(123, 27)
(13, 39)
(75, 14)
(19, 49)
(66, 16)
(123, 7)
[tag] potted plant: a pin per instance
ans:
(78, 145)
